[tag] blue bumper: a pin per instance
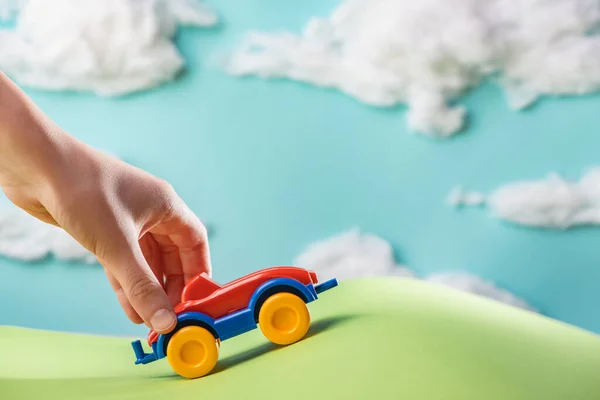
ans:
(141, 356)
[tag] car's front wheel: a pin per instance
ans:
(284, 318)
(193, 351)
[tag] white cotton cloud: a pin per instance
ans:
(26, 238)
(354, 254)
(350, 255)
(475, 285)
(552, 202)
(426, 53)
(109, 47)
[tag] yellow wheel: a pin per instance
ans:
(193, 352)
(284, 318)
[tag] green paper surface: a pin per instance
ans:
(376, 338)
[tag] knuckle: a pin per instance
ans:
(202, 231)
(167, 196)
(165, 188)
(106, 245)
(141, 288)
(96, 248)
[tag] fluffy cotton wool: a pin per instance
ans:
(355, 255)
(549, 203)
(26, 238)
(475, 285)
(427, 53)
(350, 255)
(109, 47)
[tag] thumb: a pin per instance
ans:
(141, 287)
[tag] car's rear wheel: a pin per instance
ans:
(284, 318)
(193, 351)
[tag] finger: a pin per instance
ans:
(151, 251)
(174, 287)
(171, 267)
(189, 235)
(143, 290)
(125, 304)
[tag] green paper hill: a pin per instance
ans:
(374, 338)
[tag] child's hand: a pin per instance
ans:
(144, 235)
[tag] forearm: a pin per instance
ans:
(32, 147)
(149, 242)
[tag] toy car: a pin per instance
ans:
(274, 298)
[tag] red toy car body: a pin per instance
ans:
(274, 299)
(204, 295)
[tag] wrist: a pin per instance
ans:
(34, 152)
(28, 140)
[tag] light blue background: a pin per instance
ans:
(274, 166)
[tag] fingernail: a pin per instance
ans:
(163, 320)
